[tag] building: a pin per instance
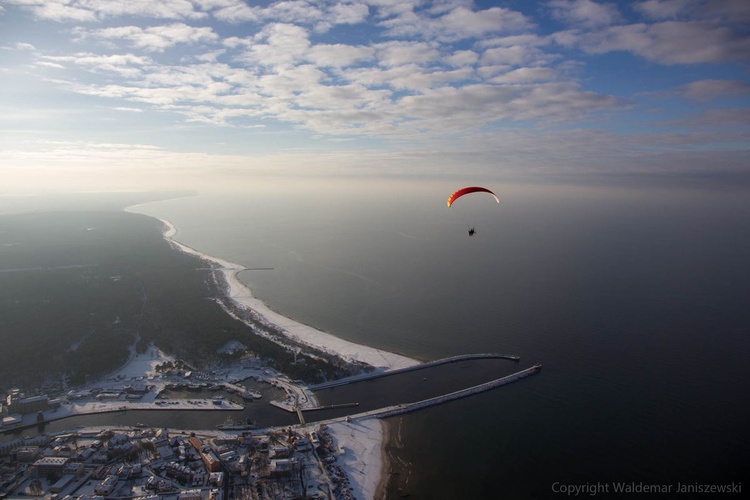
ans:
(50, 466)
(106, 486)
(210, 460)
(283, 467)
(194, 494)
(29, 405)
(27, 454)
(61, 483)
(11, 421)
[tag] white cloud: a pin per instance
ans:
(47, 64)
(339, 55)
(461, 58)
(321, 15)
(277, 44)
(125, 65)
(458, 24)
(236, 12)
(707, 90)
(154, 38)
(127, 109)
(22, 46)
(716, 119)
(728, 11)
(585, 12)
(409, 77)
(669, 42)
(93, 10)
(398, 53)
(475, 106)
(525, 75)
(516, 55)
(351, 13)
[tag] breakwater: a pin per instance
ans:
(469, 391)
(422, 366)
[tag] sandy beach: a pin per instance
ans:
(361, 442)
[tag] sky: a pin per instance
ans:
(108, 94)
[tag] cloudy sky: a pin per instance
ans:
(98, 92)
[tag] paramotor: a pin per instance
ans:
(467, 190)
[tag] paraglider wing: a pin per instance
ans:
(470, 189)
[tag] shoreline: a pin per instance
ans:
(243, 298)
(365, 461)
(381, 489)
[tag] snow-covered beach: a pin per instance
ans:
(362, 441)
(242, 297)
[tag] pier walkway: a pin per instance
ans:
(391, 411)
(370, 376)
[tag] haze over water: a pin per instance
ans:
(633, 300)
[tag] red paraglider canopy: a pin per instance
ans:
(470, 189)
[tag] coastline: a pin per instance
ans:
(242, 297)
(364, 442)
(381, 489)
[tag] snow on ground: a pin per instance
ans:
(243, 298)
(361, 442)
(141, 365)
(232, 346)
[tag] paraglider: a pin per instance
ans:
(471, 189)
(467, 190)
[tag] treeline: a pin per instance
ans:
(78, 288)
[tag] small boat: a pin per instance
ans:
(250, 395)
(231, 425)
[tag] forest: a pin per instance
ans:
(78, 288)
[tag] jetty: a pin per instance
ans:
(370, 376)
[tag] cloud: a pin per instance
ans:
(93, 10)
(727, 11)
(516, 55)
(391, 54)
(339, 55)
(47, 64)
(458, 23)
(707, 90)
(152, 39)
(475, 106)
(351, 13)
(277, 44)
(669, 42)
(127, 109)
(461, 58)
(525, 75)
(585, 13)
(234, 11)
(124, 65)
(717, 119)
(21, 46)
(321, 15)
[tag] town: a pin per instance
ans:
(142, 462)
(237, 461)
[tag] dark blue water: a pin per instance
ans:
(633, 300)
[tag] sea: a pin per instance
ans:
(634, 299)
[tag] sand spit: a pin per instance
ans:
(242, 297)
(360, 442)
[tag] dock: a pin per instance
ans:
(332, 407)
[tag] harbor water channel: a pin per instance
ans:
(371, 394)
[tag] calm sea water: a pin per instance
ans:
(635, 302)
